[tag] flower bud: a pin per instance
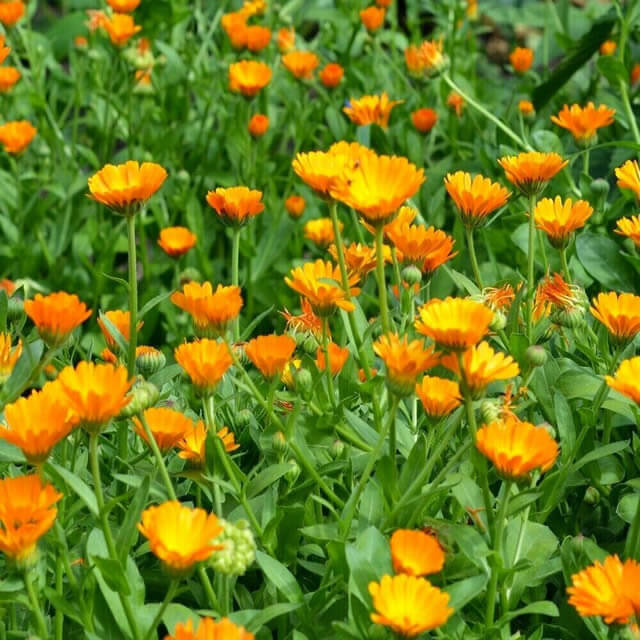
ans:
(536, 355)
(183, 176)
(243, 418)
(570, 318)
(591, 496)
(239, 550)
(499, 321)
(293, 473)
(304, 381)
(190, 274)
(310, 345)
(411, 275)
(279, 442)
(143, 395)
(337, 449)
(489, 411)
(600, 188)
(149, 360)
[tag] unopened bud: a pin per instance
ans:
(536, 355)
(190, 274)
(279, 442)
(489, 411)
(337, 449)
(412, 275)
(570, 318)
(592, 496)
(304, 381)
(293, 473)
(243, 418)
(499, 321)
(149, 360)
(239, 550)
(310, 345)
(143, 395)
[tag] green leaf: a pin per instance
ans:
(266, 478)
(24, 369)
(466, 590)
(542, 608)
(128, 531)
(461, 281)
(156, 300)
(628, 506)
(79, 487)
(280, 577)
(612, 69)
(601, 452)
(254, 619)
(603, 261)
(114, 332)
(112, 574)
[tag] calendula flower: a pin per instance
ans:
(530, 171)
(4, 50)
(475, 197)
(338, 357)
(629, 177)
(205, 361)
(228, 439)
(630, 227)
(454, 323)
(372, 18)
(634, 76)
(149, 360)
(526, 107)
(11, 12)
(608, 48)
(566, 301)
(560, 219)
(404, 361)
(318, 282)
(176, 241)
(37, 423)
(417, 243)
(8, 77)
(125, 188)
(123, 6)
(258, 37)
(270, 354)
(167, 426)
(295, 205)
(209, 629)
(8, 356)
(286, 39)
(360, 259)
(193, 446)
(307, 321)
(439, 396)
(584, 122)
(235, 26)
(426, 58)
(121, 321)
(96, 18)
(620, 314)
(120, 28)
(56, 315)
(627, 379)
(180, 536)
(408, 605)
(235, 206)
(27, 512)
(424, 119)
(16, 136)
(320, 231)
(456, 102)
(253, 7)
(8, 286)
(301, 64)
(249, 77)
(413, 60)
(378, 186)
(258, 125)
(516, 448)
(415, 553)
(521, 59)
(95, 393)
(371, 110)
(331, 75)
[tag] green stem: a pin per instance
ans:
(59, 619)
(382, 284)
(531, 260)
(327, 361)
(472, 255)
(565, 265)
(171, 592)
(133, 296)
(151, 441)
(585, 162)
(235, 262)
(208, 589)
(41, 624)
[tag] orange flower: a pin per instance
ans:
(526, 107)
(193, 444)
(16, 136)
(56, 315)
(627, 379)
(406, 215)
(125, 188)
(554, 294)
(4, 50)
(205, 362)
(372, 18)
(258, 125)
(120, 28)
(521, 59)
(180, 536)
(8, 77)
(620, 314)
(96, 19)
(249, 77)
(608, 48)
(424, 119)
(167, 426)
(301, 63)
(630, 227)
(228, 439)
(235, 26)
(286, 39)
(629, 177)
(121, 321)
(531, 171)
(331, 75)
(95, 393)
(8, 356)
(378, 186)
(236, 205)
(307, 321)
(404, 361)
(516, 448)
(320, 231)
(409, 605)
(475, 197)
(37, 423)
(11, 12)
(371, 109)
(416, 243)
(176, 241)
(270, 354)
(413, 60)
(212, 311)
(337, 358)
(258, 37)
(123, 6)
(631, 584)
(427, 58)
(295, 205)
(454, 323)
(7, 286)
(560, 219)
(209, 629)
(456, 102)
(360, 259)
(27, 512)
(584, 122)
(312, 281)
(439, 396)
(497, 298)
(384, 3)
(415, 553)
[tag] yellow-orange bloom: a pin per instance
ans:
(95, 393)
(456, 102)
(360, 259)
(331, 75)
(258, 125)
(8, 77)
(497, 298)
(295, 205)
(320, 231)
(338, 357)
(121, 321)
(630, 227)
(418, 244)
(235, 26)
(415, 553)
(37, 423)
(584, 122)
(424, 119)
(228, 439)
(27, 512)
(205, 361)
(409, 605)
(378, 186)
(180, 536)
(521, 59)
(526, 107)
(301, 64)
(608, 48)
(454, 323)
(371, 110)
(258, 37)
(425, 58)
(286, 39)
(627, 379)
(236, 205)
(270, 354)
(4, 50)
(318, 282)
(475, 197)
(560, 219)
(167, 426)
(56, 315)
(249, 77)
(209, 629)
(11, 12)
(439, 396)
(634, 76)
(125, 188)
(123, 6)
(530, 171)
(176, 241)
(16, 136)
(120, 27)
(193, 445)
(8, 356)
(629, 177)
(620, 314)
(372, 17)
(307, 321)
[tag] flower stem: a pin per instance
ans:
(171, 592)
(41, 624)
(151, 441)
(133, 296)
(565, 265)
(382, 285)
(531, 260)
(235, 261)
(472, 255)
(585, 162)
(208, 589)
(327, 361)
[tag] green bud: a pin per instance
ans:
(600, 188)
(279, 442)
(304, 381)
(412, 275)
(536, 355)
(190, 274)
(299, 337)
(293, 473)
(243, 418)
(149, 361)
(489, 411)
(592, 496)
(337, 449)
(143, 395)
(499, 321)
(570, 318)
(239, 550)
(183, 176)
(310, 345)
